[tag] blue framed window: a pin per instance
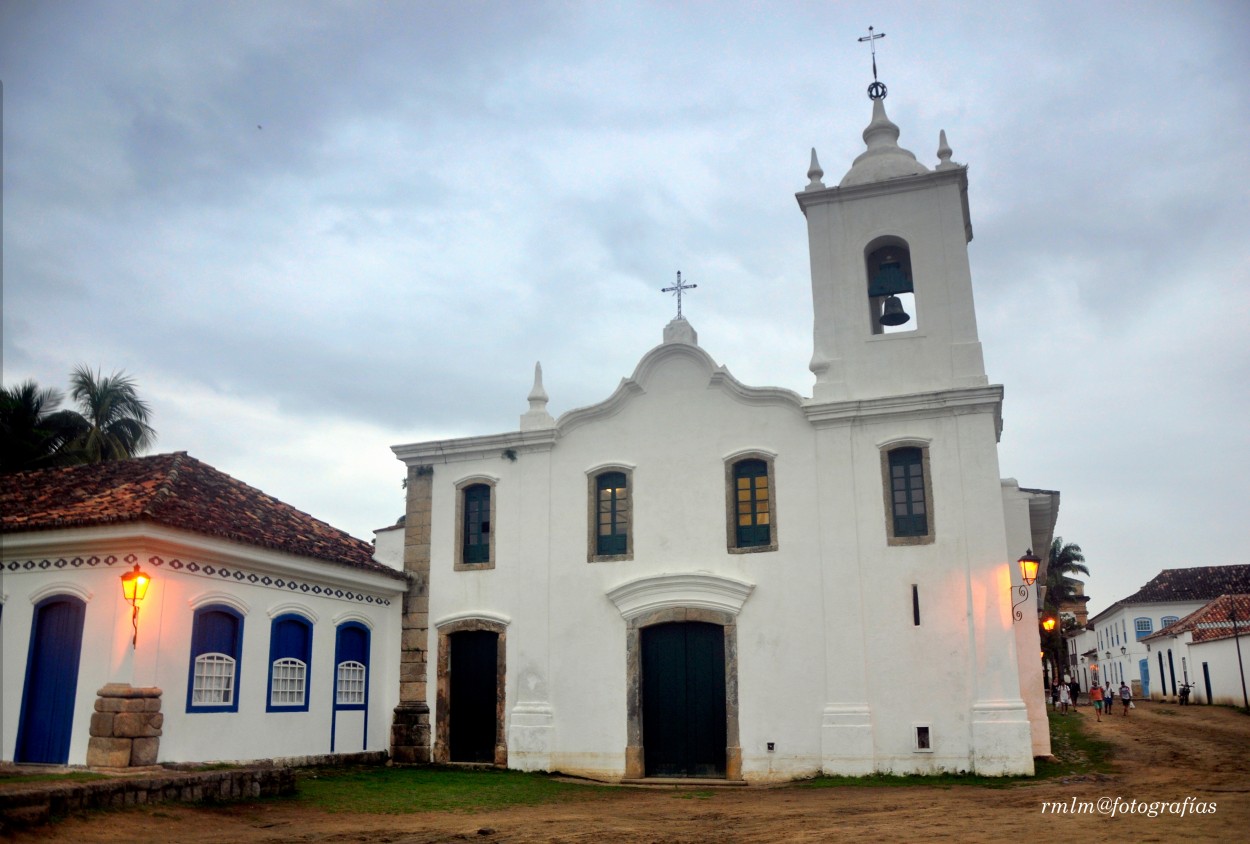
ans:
(290, 653)
(1143, 626)
(753, 504)
(216, 651)
(476, 547)
(351, 666)
(907, 492)
(1168, 619)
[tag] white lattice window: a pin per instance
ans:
(288, 683)
(351, 683)
(214, 680)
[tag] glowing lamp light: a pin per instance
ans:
(1028, 567)
(135, 584)
(1028, 573)
(1048, 623)
(135, 589)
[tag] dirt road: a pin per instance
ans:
(1162, 753)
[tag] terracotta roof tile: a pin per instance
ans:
(178, 491)
(1212, 621)
(1201, 583)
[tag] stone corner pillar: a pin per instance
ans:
(125, 727)
(410, 724)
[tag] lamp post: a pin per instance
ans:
(134, 589)
(1232, 615)
(1028, 573)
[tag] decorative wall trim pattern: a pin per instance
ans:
(214, 572)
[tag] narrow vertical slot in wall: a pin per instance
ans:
(915, 605)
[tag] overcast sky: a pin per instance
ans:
(311, 231)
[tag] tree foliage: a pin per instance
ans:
(1065, 559)
(111, 422)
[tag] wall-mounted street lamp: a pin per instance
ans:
(1028, 573)
(135, 588)
(1048, 623)
(1124, 651)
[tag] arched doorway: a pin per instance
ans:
(47, 715)
(683, 699)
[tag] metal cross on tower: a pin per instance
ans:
(676, 290)
(877, 90)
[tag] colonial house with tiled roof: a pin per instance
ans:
(1118, 647)
(1202, 650)
(263, 632)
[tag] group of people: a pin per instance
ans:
(1063, 695)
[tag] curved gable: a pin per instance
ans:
(660, 364)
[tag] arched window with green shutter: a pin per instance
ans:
(753, 503)
(476, 524)
(612, 513)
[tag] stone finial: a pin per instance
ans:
(884, 158)
(680, 331)
(815, 174)
(537, 416)
(944, 153)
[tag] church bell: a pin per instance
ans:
(894, 313)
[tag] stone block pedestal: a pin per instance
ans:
(410, 734)
(125, 727)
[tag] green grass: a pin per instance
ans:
(406, 790)
(1076, 753)
(71, 776)
(402, 790)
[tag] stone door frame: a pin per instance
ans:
(442, 720)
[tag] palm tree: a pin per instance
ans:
(33, 432)
(1066, 559)
(113, 420)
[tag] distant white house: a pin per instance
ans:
(696, 577)
(264, 632)
(1209, 649)
(1118, 646)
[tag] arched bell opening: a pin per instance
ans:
(891, 295)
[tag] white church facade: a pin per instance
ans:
(700, 578)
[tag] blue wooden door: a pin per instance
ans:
(1144, 667)
(47, 718)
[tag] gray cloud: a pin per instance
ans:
(441, 194)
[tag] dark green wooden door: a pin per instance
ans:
(683, 700)
(473, 690)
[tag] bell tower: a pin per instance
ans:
(891, 285)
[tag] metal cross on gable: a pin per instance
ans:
(877, 90)
(676, 290)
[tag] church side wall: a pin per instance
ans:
(960, 657)
(1028, 638)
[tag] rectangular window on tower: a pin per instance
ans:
(908, 495)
